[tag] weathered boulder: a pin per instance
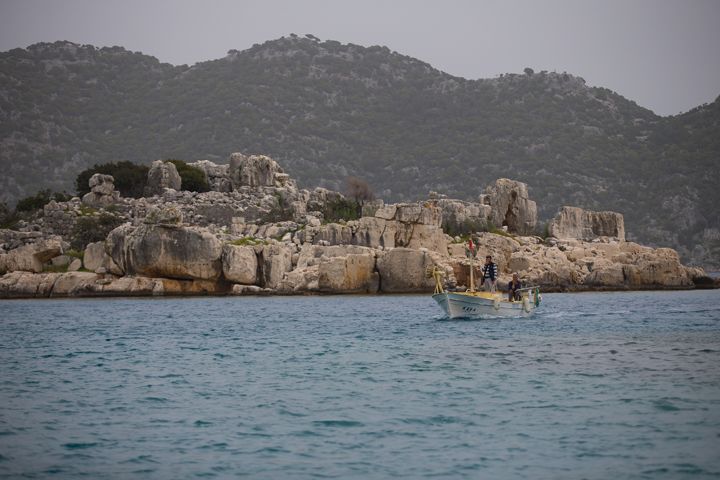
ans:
(32, 256)
(386, 212)
(499, 247)
(166, 251)
(133, 286)
(61, 261)
(217, 176)
(511, 206)
(102, 184)
(162, 175)
(319, 197)
(240, 264)
(75, 265)
(74, 284)
(167, 215)
(370, 207)
(27, 285)
(276, 262)
(94, 256)
(657, 267)
(375, 232)
(519, 262)
(417, 236)
(423, 213)
(11, 239)
(247, 290)
(102, 191)
(573, 222)
(96, 259)
(303, 279)
(353, 273)
(256, 171)
(333, 234)
(403, 270)
(460, 217)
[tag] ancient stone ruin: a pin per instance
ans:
(574, 222)
(102, 191)
(256, 232)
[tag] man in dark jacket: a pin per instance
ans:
(513, 287)
(490, 274)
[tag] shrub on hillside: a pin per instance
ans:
(39, 200)
(130, 178)
(8, 217)
(465, 228)
(342, 209)
(193, 179)
(93, 228)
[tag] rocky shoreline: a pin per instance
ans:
(256, 233)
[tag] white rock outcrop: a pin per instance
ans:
(102, 191)
(162, 175)
(511, 206)
(239, 263)
(574, 222)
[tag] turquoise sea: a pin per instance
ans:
(595, 385)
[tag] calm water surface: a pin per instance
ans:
(602, 385)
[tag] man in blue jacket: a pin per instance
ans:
(490, 274)
(513, 288)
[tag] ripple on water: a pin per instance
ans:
(621, 385)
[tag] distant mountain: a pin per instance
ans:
(327, 110)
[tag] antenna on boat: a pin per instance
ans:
(471, 253)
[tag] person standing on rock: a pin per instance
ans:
(490, 273)
(513, 287)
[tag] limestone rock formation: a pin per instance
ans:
(375, 232)
(574, 222)
(257, 233)
(162, 175)
(217, 176)
(240, 264)
(167, 216)
(276, 262)
(21, 284)
(32, 256)
(102, 191)
(74, 284)
(97, 260)
(353, 273)
(256, 171)
(403, 270)
(157, 250)
(94, 255)
(511, 206)
(459, 216)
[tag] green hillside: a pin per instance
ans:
(327, 110)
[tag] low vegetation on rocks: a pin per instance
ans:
(331, 111)
(256, 232)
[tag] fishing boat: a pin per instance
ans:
(473, 304)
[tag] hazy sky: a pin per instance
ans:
(663, 54)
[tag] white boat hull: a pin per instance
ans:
(482, 305)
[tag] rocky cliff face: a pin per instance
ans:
(573, 222)
(265, 235)
(331, 110)
(510, 206)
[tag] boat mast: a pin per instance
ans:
(471, 251)
(472, 276)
